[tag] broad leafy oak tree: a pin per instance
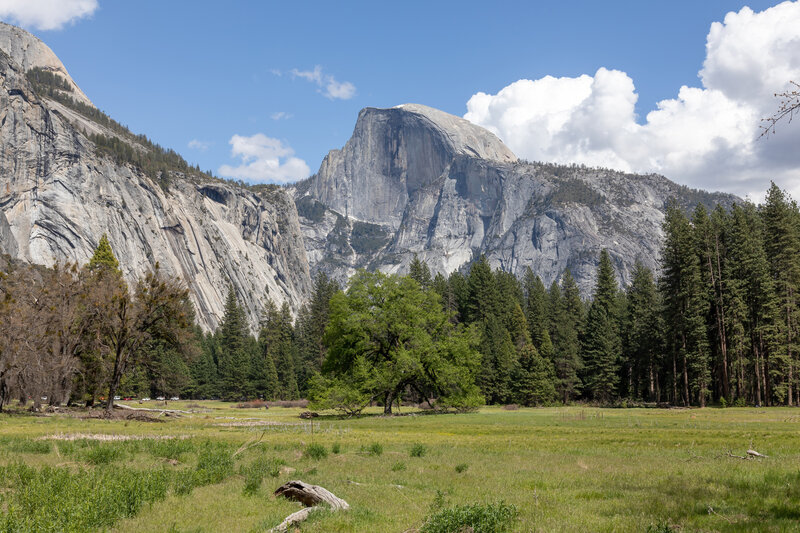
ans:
(387, 336)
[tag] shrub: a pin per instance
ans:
(461, 468)
(489, 518)
(316, 451)
(376, 448)
(255, 404)
(418, 450)
(723, 402)
(253, 475)
(336, 447)
(302, 404)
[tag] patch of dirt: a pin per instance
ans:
(138, 416)
(106, 437)
(252, 423)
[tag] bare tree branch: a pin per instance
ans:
(788, 107)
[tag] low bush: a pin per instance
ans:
(302, 404)
(316, 451)
(476, 518)
(418, 450)
(376, 448)
(336, 447)
(252, 478)
(461, 468)
(398, 466)
(255, 404)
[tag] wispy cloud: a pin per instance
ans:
(281, 115)
(264, 159)
(328, 86)
(195, 144)
(45, 14)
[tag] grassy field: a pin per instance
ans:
(564, 469)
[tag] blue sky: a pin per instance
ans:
(183, 71)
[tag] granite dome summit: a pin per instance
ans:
(416, 180)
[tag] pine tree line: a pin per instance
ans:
(276, 364)
(718, 325)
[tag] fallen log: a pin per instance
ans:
(309, 495)
(129, 408)
(753, 453)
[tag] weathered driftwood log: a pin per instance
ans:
(129, 408)
(754, 453)
(310, 496)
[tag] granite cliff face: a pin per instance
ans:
(59, 194)
(411, 179)
(416, 180)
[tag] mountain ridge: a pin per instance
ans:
(399, 187)
(60, 191)
(410, 180)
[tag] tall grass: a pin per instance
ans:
(60, 499)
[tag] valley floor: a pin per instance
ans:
(565, 469)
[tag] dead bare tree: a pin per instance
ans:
(42, 331)
(157, 308)
(788, 107)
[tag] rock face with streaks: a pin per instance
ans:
(59, 194)
(414, 180)
(411, 180)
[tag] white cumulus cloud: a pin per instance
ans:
(705, 137)
(45, 14)
(328, 86)
(264, 159)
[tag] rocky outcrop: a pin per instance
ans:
(58, 195)
(413, 180)
(29, 52)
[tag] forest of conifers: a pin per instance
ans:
(718, 324)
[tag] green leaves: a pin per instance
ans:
(387, 334)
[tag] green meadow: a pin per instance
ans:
(552, 469)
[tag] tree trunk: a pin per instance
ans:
(723, 336)
(789, 345)
(116, 377)
(757, 369)
(674, 377)
(685, 381)
(387, 403)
